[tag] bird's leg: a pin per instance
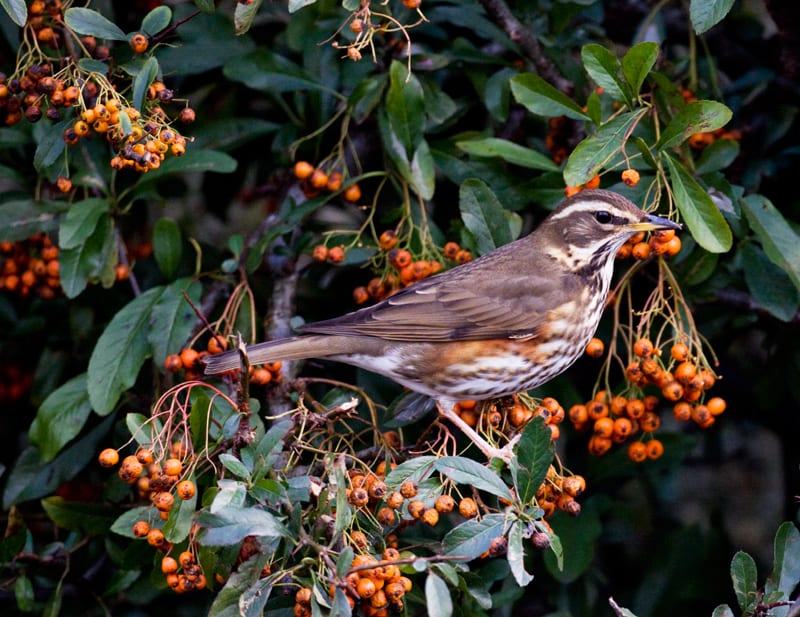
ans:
(447, 409)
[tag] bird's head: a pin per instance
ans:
(590, 227)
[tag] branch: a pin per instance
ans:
(498, 10)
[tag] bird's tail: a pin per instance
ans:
(293, 348)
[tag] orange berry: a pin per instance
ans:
(64, 184)
(188, 357)
(630, 177)
(623, 428)
(467, 507)
(173, 467)
(320, 253)
(416, 508)
(604, 427)
(138, 43)
(574, 485)
(463, 256)
(185, 489)
(395, 499)
(673, 247)
(430, 517)
(173, 363)
(156, 538)
(650, 422)
(144, 456)
(673, 391)
(654, 449)
(216, 344)
(400, 258)
(716, 405)
(141, 529)
(108, 457)
(352, 193)
(593, 183)
(451, 249)
(336, 254)
(360, 295)
(164, 501)
(640, 251)
(643, 348)
(682, 411)
(595, 348)
(578, 414)
(186, 559)
(635, 409)
(679, 352)
(637, 452)
(444, 504)
(388, 240)
(599, 445)
(685, 372)
(169, 565)
(572, 190)
(318, 179)
(385, 516)
(334, 182)
(303, 170)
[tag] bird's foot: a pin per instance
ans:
(505, 453)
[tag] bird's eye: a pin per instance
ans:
(603, 217)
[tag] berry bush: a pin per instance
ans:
(182, 177)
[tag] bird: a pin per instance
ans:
(504, 323)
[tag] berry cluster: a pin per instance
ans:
(190, 361)
(661, 242)
(376, 587)
(141, 143)
(314, 180)
(614, 419)
(509, 416)
(30, 267)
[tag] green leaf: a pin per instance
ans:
(463, 470)
(50, 147)
(206, 6)
(770, 286)
(156, 20)
(717, 156)
(603, 67)
(243, 16)
(472, 538)
(745, 581)
(89, 260)
(296, 5)
(23, 592)
(123, 525)
(516, 555)
(30, 478)
(194, 161)
(405, 107)
(723, 610)
(698, 211)
(121, 351)
(483, 215)
(147, 73)
(92, 519)
(231, 494)
(60, 417)
(780, 242)
(21, 219)
(637, 64)
(81, 221)
(180, 520)
(539, 97)
(786, 569)
(235, 466)
(231, 525)
(534, 453)
(17, 10)
(423, 172)
(596, 150)
(173, 318)
(269, 72)
(705, 14)
(91, 23)
(509, 152)
(694, 117)
(577, 540)
(167, 246)
(437, 597)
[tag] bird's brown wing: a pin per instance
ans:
(495, 300)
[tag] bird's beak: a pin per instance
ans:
(652, 222)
